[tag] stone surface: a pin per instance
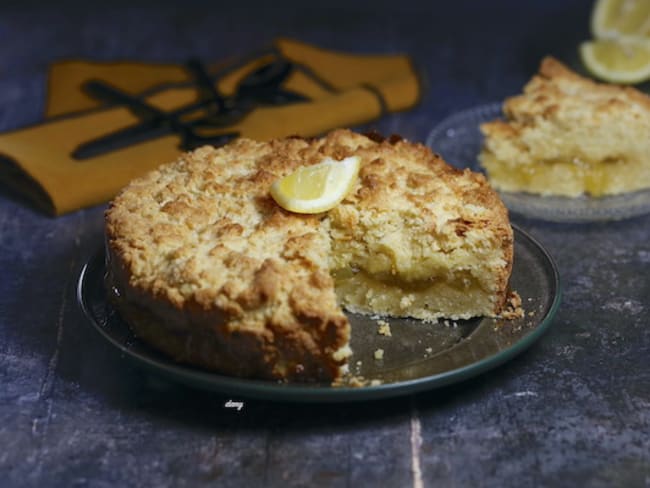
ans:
(574, 410)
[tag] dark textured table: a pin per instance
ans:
(574, 410)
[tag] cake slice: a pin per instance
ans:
(567, 135)
(204, 265)
(419, 238)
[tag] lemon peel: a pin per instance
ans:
(621, 19)
(621, 61)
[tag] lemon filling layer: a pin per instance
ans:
(568, 178)
(459, 298)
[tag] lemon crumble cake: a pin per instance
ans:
(204, 265)
(567, 135)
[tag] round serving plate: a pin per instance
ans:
(417, 356)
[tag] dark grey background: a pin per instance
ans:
(574, 410)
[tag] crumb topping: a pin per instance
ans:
(203, 238)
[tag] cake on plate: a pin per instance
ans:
(205, 266)
(568, 135)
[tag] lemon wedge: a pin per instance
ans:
(316, 188)
(617, 19)
(617, 62)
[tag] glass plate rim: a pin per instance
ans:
(300, 393)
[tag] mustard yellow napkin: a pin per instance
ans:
(341, 90)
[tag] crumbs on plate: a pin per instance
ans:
(384, 328)
(513, 309)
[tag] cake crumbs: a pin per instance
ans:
(356, 381)
(384, 328)
(513, 308)
(379, 354)
(449, 324)
(353, 381)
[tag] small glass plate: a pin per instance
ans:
(458, 140)
(418, 356)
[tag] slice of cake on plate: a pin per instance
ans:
(567, 135)
(204, 265)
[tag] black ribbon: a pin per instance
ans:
(261, 87)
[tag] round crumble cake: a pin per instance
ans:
(206, 267)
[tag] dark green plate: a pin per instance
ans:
(418, 356)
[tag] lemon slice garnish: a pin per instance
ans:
(624, 61)
(316, 188)
(616, 19)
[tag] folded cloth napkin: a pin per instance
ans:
(325, 90)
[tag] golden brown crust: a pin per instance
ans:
(552, 69)
(555, 81)
(208, 268)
